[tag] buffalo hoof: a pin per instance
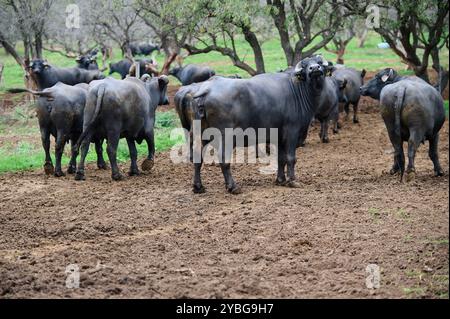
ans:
(235, 190)
(80, 176)
(410, 176)
(335, 131)
(134, 173)
(293, 184)
(117, 177)
(71, 170)
(102, 166)
(147, 165)
(326, 140)
(49, 169)
(394, 171)
(59, 174)
(339, 126)
(356, 121)
(199, 189)
(279, 182)
(439, 173)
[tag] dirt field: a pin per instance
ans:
(151, 237)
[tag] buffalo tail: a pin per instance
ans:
(98, 105)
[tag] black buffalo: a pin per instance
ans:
(60, 113)
(143, 49)
(88, 61)
(280, 101)
(192, 73)
(122, 109)
(355, 79)
(328, 105)
(123, 67)
(46, 75)
(412, 111)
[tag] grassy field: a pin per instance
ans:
(20, 151)
(28, 153)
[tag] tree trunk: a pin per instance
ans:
(443, 75)
(362, 39)
(1, 72)
(251, 38)
(38, 45)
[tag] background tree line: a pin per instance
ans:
(415, 30)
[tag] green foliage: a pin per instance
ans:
(26, 155)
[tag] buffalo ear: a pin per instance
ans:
(163, 80)
(386, 77)
(299, 72)
(344, 84)
(78, 59)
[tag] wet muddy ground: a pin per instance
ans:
(151, 237)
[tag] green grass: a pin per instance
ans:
(370, 58)
(27, 156)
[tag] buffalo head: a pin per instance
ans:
(373, 87)
(37, 66)
(312, 68)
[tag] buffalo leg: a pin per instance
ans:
(48, 165)
(347, 110)
(225, 166)
(73, 159)
(198, 187)
(433, 153)
(59, 149)
(79, 176)
(324, 131)
(413, 145)
(134, 170)
(355, 112)
(148, 163)
(101, 164)
(291, 161)
(281, 176)
(111, 149)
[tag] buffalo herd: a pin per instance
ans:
(79, 105)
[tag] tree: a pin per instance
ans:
(415, 31)
(340, 42)
(119, 21)
(301, 22)
(30, 18)
(202, 26)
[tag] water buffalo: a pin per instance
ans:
(126, 108)
(328, 105)
(280, 101)
(124, 66)
(355, 79)
(143, 49)
(412, 111)
(46, 75)
(60, 113)
(88, 61)
(192, 73)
